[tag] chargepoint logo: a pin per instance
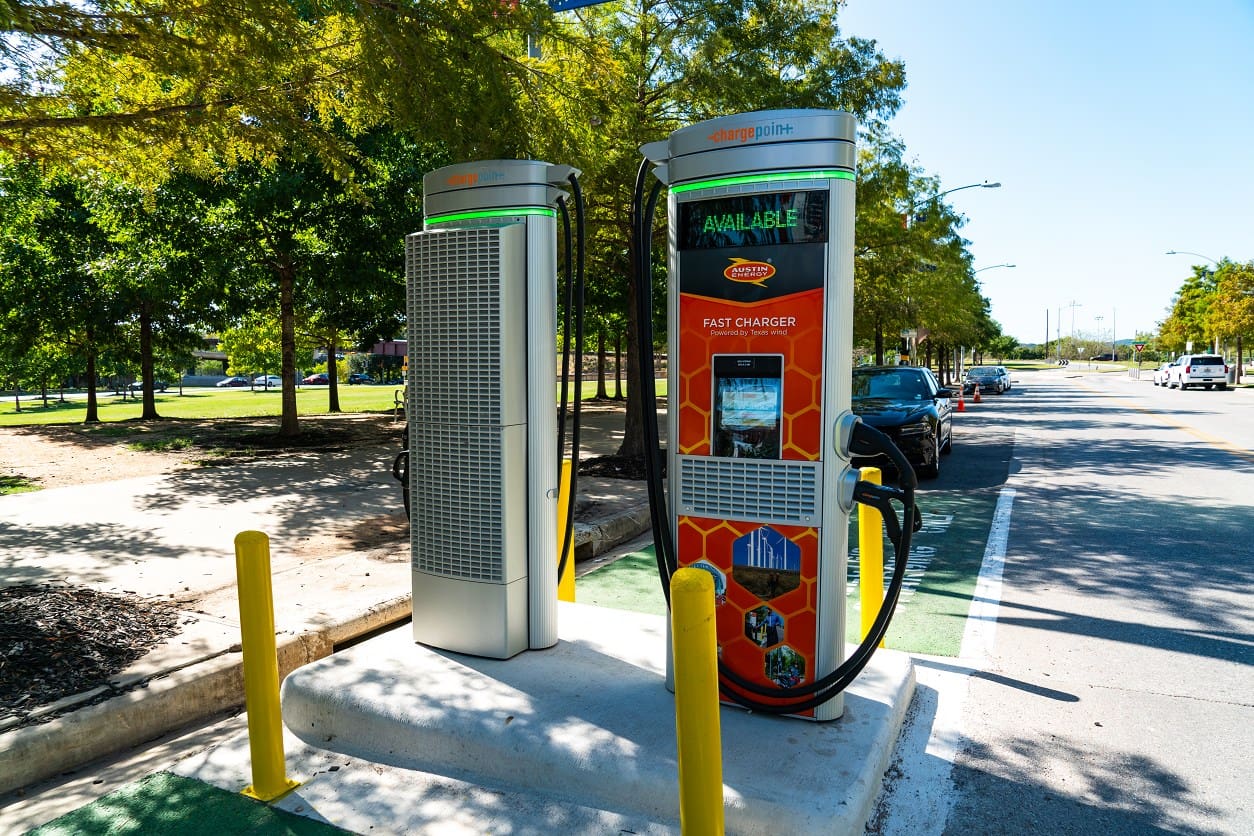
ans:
(471, 179)
(752, 133)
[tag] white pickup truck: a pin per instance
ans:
(1206, 370)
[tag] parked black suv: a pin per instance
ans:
(911, 407)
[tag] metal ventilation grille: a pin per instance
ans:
(454, 285)
(457, 444)
(750, 489)
(457, 519)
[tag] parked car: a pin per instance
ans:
(1163, 373)
(267, 380)
(911, 407)
(360, 378)
(233, 381)
(1109, 357)
(157, 386)
(1205, 370)
(318, 379)
(990, 379)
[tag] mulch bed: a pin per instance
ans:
(57, 641)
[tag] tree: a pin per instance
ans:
(320, 255)
(1002, 346)
(356, 296)
(1232, 310)
(614, 77)
(1189, 320)
(253, 344)
(186, 84)
(56, 285)
(169, 294)
(912, 269)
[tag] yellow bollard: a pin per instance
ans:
(565, 583)
(697, 733)
(261, 667)
(870, 557)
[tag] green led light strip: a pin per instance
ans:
(830, 174)
(492, 213)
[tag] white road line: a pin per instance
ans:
(977, 638)
(918, 801)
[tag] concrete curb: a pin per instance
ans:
(175, 698)
(168, 701)
(592, 539)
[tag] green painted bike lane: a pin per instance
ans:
(166, 803)
(941, 573)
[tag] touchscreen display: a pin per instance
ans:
(748, 405)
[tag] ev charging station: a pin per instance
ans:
(482, 475)
(760, 306)
(760, 316)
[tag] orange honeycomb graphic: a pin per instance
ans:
(774, 655)
(801, 345)
(712, 542)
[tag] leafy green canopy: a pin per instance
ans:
(149, 85)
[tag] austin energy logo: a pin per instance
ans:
(749, 272)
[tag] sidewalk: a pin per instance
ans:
(172, 536)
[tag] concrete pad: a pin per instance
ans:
(366, 797)
(589, 723)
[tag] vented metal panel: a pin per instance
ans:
(464, 370)
(455, 324)
(784, 492)
(456, 505)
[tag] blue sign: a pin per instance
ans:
(567, 5)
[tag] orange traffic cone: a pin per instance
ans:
(962, 404)
(976, 398)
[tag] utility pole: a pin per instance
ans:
(1073, 304)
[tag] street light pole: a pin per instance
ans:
(1199, 255)
(984, 185)
(991, 267)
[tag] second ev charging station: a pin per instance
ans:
(760, 318)
(482, 446)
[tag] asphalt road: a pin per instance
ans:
(1113, 692)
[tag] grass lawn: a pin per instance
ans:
(16, 484)
(209, 402)
(199, 403)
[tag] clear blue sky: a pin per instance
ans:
(1119, 130)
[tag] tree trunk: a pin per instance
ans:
(1240, 360)
(289, 424)
(149, 409)
(93, 409)
(618, 365)
(879, 344)
(633, 428)
(333, 377)
(602, 392)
